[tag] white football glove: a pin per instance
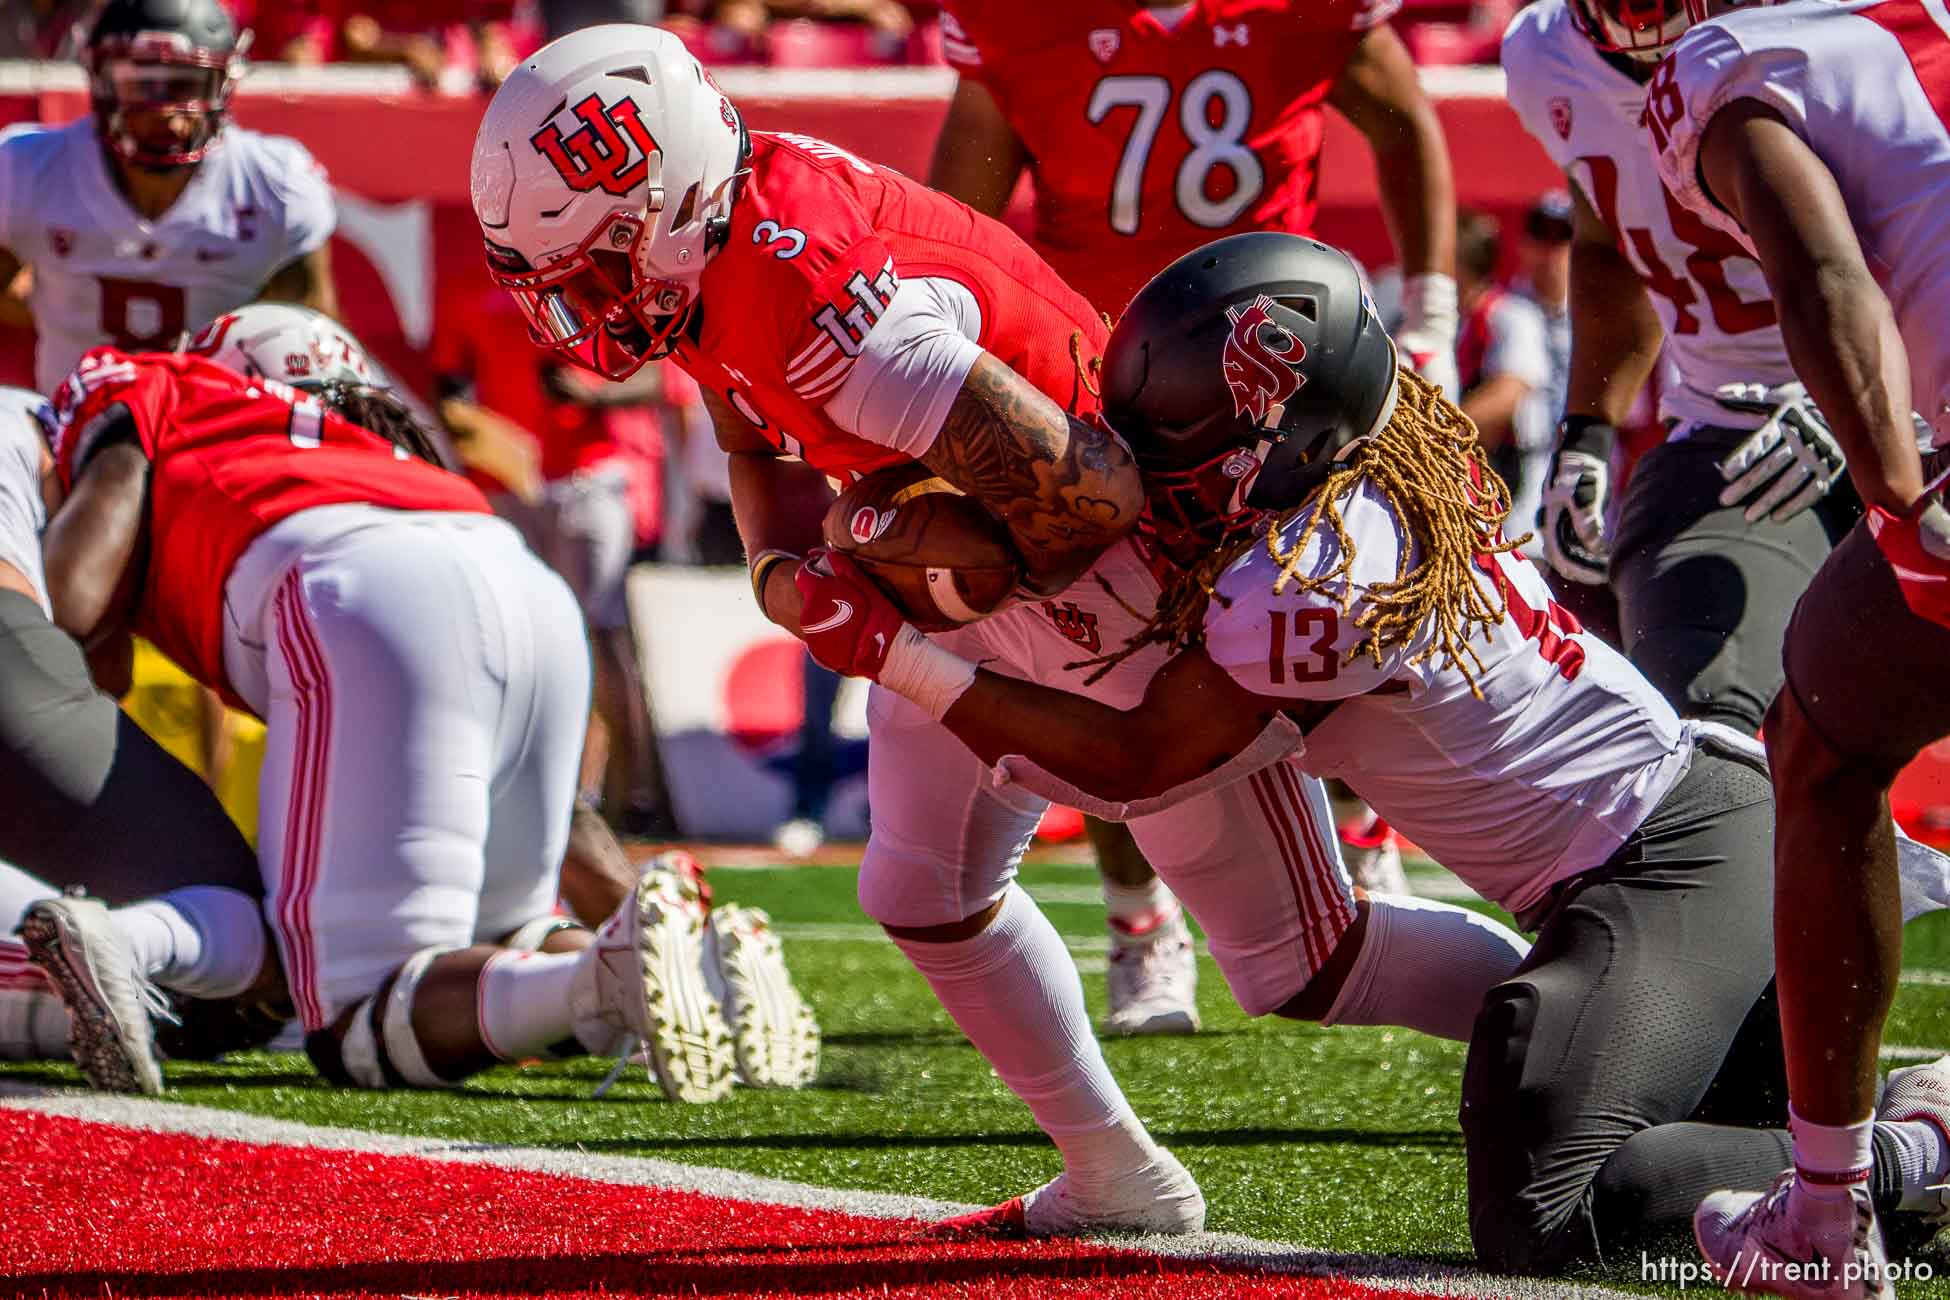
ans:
(1573, 521)
(1789, 463)
(1427, 337)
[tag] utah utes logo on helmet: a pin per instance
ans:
(597, 154)
(1261, 360)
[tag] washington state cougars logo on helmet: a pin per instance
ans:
(1261, 360)
(598, 153)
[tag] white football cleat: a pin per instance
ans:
(774, 1034)
(642, 985)
(1153, 979)
(1921, 1094)
(110, 1002)
(1373, 853)
(1163, 1198)
(1759, 1243)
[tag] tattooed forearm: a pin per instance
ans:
(1064, 489)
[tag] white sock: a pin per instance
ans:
(33, 1019)
(1141, 910)
(203, 940)
(1831, 1158)
(1923, 1155)
(1425, 965)
(157, 933)
(1015, 992)
(523, 1008)
(18, 892)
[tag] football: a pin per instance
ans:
(943, 559)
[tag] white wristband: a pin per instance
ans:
(925, 673)
(1429, 304)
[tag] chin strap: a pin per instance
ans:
(1281, 739)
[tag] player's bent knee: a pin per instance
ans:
(917, 897)
(1522, 1211)
(1799, 756)
(374, 1044)
(1494, 1073)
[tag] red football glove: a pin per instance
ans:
(846, 622)
(1917, 546)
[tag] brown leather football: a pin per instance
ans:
(943, 559)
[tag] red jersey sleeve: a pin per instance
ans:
(827, 278)
(962, 39)
(104, 384)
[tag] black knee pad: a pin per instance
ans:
(1493, 1072)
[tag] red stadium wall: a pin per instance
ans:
(407, 246)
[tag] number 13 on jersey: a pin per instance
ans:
(1302, 645)
(1214, 146)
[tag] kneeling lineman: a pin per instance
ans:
(424, 686)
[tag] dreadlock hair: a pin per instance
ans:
(378, 411)
(1429, 465)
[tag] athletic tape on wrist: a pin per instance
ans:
(761, 566)
(925, 673)
(1429, 302)
(1280, 740)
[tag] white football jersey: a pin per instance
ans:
(23, 512)
(1707, 289)
(1543, 777)
(1053, 641)
(103, 274)
(1867, 84)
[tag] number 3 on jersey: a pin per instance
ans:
(1213, 146)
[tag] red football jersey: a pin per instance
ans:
(229, 457)
(819, 242)
(1148, 139)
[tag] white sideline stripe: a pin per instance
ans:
(1898, 1052)
(643, 1171)
(1939, 979)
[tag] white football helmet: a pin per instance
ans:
(1642, 30)
(603, 177)
(286, 342)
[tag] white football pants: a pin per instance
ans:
(424, 682)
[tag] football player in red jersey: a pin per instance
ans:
(1150, 129)
(424, 684)
(840, 313)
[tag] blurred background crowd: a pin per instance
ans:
(457, 44)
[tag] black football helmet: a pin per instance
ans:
(1641, 30)
(153, 63)
(1238, 373)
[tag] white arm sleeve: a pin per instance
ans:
(911, 367)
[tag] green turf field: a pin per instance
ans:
(1343, 1138)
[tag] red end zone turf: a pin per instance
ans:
(100, 1210)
